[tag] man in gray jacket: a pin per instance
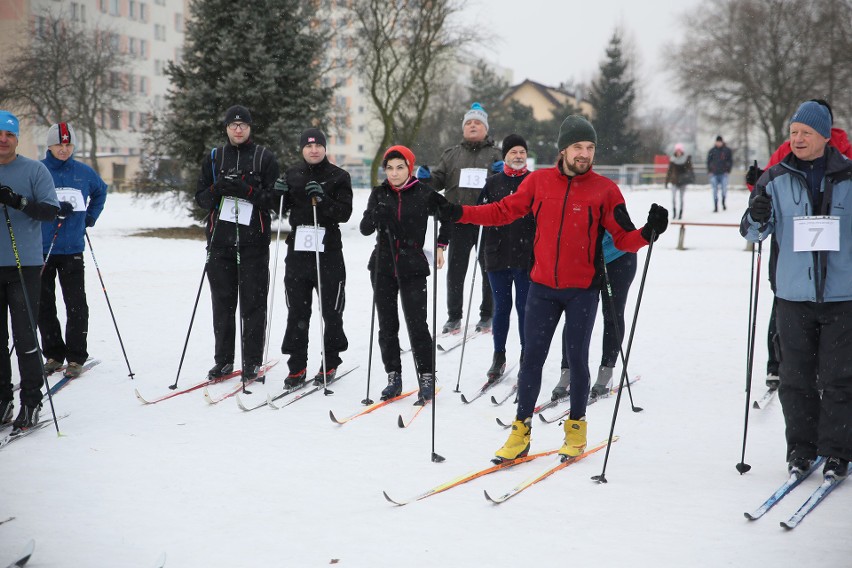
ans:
(462, 172)
(804, 201)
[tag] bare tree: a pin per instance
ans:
(67, 73)
(762, 55)
(403, 47)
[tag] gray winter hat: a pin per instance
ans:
(575, 129)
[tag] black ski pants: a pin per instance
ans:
(464, 239)
(816, 355)
(412, 292)
(12, 302)
(247, 283)
(71, 271)
(300, 281)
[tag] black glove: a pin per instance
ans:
(753, 174)
(658, 221)
(448, 212)
(315, 191)
(65, 209)
(761, 208)
(281, 188)
(9, 197)
(384, 215)
(236, 186)
(90, 221)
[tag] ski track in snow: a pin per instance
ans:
(213, 486)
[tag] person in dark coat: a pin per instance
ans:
(236, 186)
(507, 252)
(679, 174)
(315, 187)
(720, 160)
(398, 211)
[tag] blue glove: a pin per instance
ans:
(65, 209)
(315, 191)
(423, 173)
(497, 166)
(90, 221)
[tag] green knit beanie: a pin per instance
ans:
(574, 129)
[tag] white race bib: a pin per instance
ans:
(72, 196)
(812, 234)
(308, 238)
(473, 178)
(231, 206)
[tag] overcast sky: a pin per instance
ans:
(570, 37)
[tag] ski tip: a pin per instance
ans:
(139, 397)
(389, 500)
(333, 419)
(464, 399)
(270, 402)
(755, 405)
(542, 418)
(489, 498)
(400, 422)
(749, 516)
(788, 525)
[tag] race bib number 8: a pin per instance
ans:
(811, 234)
(309, 238)
(231, 206)
(473, 178)
(72, 196)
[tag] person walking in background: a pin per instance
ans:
(236, 188)
(679, 174)
(567, 243)
(82, 194)
(839, 140)
(461, 173)
(507, 252)
(720, 160)
(28, 198)
(803, 202)
(315, 186)
(398, 211)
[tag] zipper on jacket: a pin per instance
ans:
(559, 234)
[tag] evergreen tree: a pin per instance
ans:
(263, 55)
(612, 96)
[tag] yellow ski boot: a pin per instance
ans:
(518, 444)
(575, 438)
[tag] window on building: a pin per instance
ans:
(160, 32)
(114, 42)
(178, 55)
(131, 120)
(143, 12)
(133, 46)
(160, 2)
(41, 26)
(131, 83)
(143, 48)
(159, 65)
(115, 119)
(362, 128)
(132, 9)
(360, 147)
(103, 6)
(179, 22)
(113, 8)
(143, 85)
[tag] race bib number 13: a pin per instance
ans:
(473, 178)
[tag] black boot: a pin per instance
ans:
(27, 417)
(394, 388)
(427, 387)
(498, 366)
(220, 370)
(295, 379)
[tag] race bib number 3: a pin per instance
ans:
(231, 207)
(473, 178)
(309, 238)
(812, 234)
(72, 196)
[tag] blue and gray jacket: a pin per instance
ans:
(74, 175)
(823, 276)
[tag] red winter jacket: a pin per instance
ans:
(570, 214)
(838, 139)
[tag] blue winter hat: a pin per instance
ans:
(476, 112)
(814, 115)
(9, 122)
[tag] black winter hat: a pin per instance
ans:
(312, 136)
(237, 113)
(575, 129)
(511, 141)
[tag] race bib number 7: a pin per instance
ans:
(236, 210)
(811, 234)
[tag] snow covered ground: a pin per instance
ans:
(214, 486)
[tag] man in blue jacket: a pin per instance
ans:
(81, 194)
(804, 201)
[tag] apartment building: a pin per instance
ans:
(151, 32)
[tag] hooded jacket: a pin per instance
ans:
(571, 214)
(824, 276)
(71, 174)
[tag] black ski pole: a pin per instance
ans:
(367, 400)
(602, 477)
(198, 294)
(29, 309)
(469, 307)
(435, 456)
(742, 466)
(109, 305)
(620, 337)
